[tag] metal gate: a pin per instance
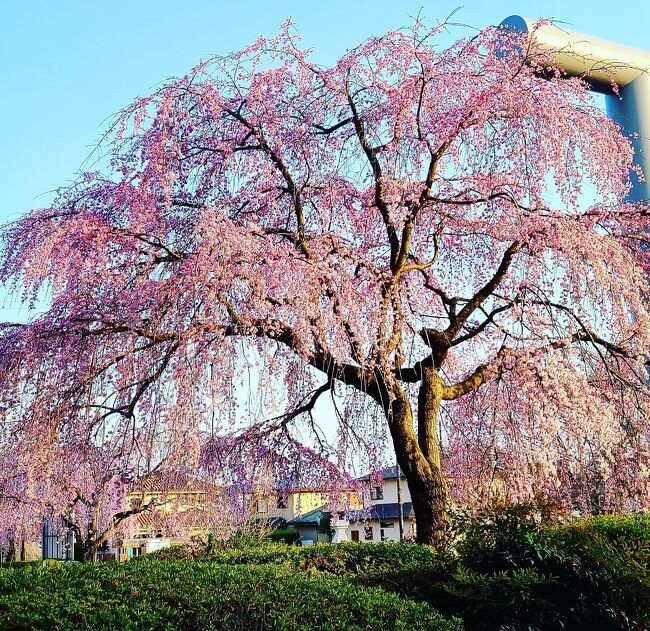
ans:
(57, 541)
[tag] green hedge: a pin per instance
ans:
(337, 559)
(617, 549)
(159, 594)
(625, 529)
(505, 572)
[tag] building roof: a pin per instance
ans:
(170, 482)
(378, 512)
(389, 473)
(324, 490)
(157, 520)
(312, 518)
(382, 512)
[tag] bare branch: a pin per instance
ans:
(480, 296)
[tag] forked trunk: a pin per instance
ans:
(419, 458)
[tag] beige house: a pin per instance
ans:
(295, 503)
(288, 505)
(175, 500)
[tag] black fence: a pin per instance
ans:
(58, 541)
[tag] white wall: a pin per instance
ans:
(390, 534)
(390, 492)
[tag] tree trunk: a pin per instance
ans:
(11, 553)
(429, 497)
(87, 551)
(419, 458)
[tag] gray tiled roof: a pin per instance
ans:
(380, 512)
(383, 512)
(389, 473)
(311, 518)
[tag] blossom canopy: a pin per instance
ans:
(436, 237)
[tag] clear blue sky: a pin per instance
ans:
(66, 65)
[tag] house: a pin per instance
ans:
(180, 509)
(184, 507)
(386, 505)
(289, 505)
(313, 527)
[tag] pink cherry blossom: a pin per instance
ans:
(436, 238)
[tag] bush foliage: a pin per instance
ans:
(509, 569)
(160, 594)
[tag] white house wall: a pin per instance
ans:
(390, 492)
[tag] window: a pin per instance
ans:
(355, 536)
(387, 524)
(262, 506)
(367, 533)
(135, 502)
(377, 493)
(282, 502)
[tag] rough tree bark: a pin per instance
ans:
(419, 457)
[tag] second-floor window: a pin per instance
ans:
(376, 493)
(262, 506)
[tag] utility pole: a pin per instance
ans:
(399, 502)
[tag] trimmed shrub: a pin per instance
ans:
(510, 570)
(629, 527)
(617, 548)
(336, 559)
(513, 573)
(155, 594)
(284, 535)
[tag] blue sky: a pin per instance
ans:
(67, 65)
